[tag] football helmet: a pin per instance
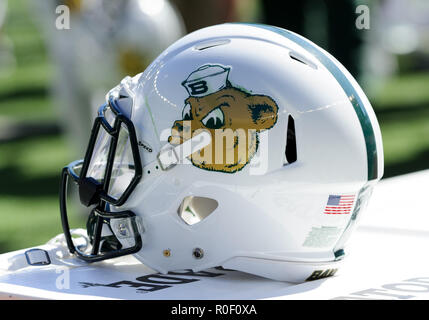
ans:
(241, 146)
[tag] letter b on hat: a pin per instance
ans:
(206, 79)
(198, 88)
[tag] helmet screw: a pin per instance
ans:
(166, 253)
(198, 253)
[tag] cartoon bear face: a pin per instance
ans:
(234, 118)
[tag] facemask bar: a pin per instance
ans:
(102, 217)
(87, 183)
(95, 192)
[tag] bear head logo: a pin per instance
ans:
(231, 115)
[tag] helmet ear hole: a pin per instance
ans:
(290, 151)
(195, 209)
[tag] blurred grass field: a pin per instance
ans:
(30, 165)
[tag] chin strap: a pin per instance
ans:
(170, 156)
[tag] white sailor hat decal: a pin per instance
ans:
(206, 80)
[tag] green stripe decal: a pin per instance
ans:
(348, 88)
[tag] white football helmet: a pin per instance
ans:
(242, 146)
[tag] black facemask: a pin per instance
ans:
(106, 177)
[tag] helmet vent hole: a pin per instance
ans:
(299, 60)
(211, 44)
(195, 209)
(290, 151)
(295, 56)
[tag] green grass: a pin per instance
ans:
(27, 222)
(29, 168)
(30, 176)
(28, 108)
(403, 141)
(33, 76)
(36, 222)
(38, 156)
(402, 107)
(404, 91)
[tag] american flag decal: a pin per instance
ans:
(339, 204)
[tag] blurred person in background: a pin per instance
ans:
(399, 43)
(198, 14)
(107, 40)
(329, 23)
